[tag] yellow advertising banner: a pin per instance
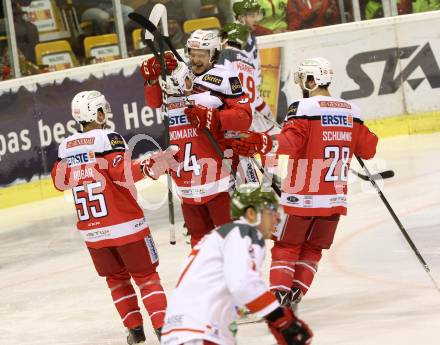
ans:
(270, 76)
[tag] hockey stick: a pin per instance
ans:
(158, 14)
(399, 224)
(274, 184)
(381, 175)
(151, 31)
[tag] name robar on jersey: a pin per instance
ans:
(94, 166)
(320, 134)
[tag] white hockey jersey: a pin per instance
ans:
(240, 63)
(251, 50)
(221, 275)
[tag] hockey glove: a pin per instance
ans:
(160, 163)
(287, 329)
(151, 69)
(252, 143)
(201, 117)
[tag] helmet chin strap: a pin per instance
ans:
(103, 121)
(306, 88)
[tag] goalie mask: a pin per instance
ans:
(85, 106)
(318, 68)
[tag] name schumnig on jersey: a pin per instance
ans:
(337, 120)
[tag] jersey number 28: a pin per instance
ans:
(337, 154)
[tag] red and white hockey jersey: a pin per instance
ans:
(220, 276)
(96, 166)
(321, 134)
(201, 175)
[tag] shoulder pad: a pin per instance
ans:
(245, 230)
(116, 141)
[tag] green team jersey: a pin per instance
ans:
(274, 14)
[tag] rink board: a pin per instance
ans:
(35, 111)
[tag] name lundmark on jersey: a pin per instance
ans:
(183, 134)
(336, 136)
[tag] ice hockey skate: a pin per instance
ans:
(136, 336)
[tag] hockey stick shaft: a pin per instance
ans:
(399, 224)
(136, 17)
(149, 26)
(151, 29)
(273, 184)
(172, 228)
(382, 175)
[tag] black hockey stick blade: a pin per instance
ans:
(382, 175)
(148, 25)
(143, 21)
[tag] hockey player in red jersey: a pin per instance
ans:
(206, 97)
(223, 274)
(96, 165)
(320, 134)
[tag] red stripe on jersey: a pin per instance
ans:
(261, 302)
(183, 330)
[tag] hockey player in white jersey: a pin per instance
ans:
(222, 274)
(247, 13)
(234, 57)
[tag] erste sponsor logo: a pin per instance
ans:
(81, 158)
(337, 120)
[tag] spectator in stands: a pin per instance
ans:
(26, 67)
(372, 9)
(175, 18)
(274, 19)
(101, 15)
(425, 5)
(25, 31)
(191, 8)
(305, 14)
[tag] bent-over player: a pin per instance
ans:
(222, 274)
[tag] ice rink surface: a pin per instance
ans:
(370, 288)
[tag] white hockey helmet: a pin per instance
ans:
(203, 39)
(85, 106)
(319, 68)
(177, 83)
